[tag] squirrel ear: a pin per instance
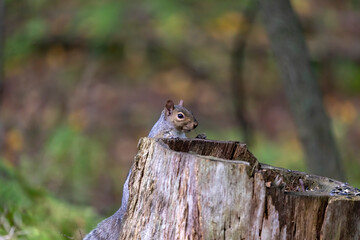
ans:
(181, 103)
(169, 107)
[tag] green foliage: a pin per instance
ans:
(281, 154)
(29, 213)
(13, 191)
(81, 156)
(21, 44)
(348, 74)
(99, 21)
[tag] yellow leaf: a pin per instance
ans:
(14, 140)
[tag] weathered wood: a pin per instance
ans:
(201, 189)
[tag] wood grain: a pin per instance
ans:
(202, 189)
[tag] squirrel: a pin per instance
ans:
(174, 122)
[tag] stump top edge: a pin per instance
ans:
(295, 182)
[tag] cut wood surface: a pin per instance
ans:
(202, 189)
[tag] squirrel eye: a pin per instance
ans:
(180, 115)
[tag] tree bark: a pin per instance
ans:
(201, 189)
(301, 87)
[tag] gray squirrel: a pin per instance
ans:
(174, 122)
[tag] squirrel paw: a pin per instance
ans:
(201, 136)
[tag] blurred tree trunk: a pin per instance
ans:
(237, 73)
(2, 41)
(301, 87)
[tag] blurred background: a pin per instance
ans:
(84, 80)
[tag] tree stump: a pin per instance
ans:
(202, 189)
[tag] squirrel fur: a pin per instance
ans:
(174, 122)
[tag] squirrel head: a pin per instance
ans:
(181, 118)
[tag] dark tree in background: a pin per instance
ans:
(237, 80)
(301, 87)
(2, 40)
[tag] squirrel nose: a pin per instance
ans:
(195, 124)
